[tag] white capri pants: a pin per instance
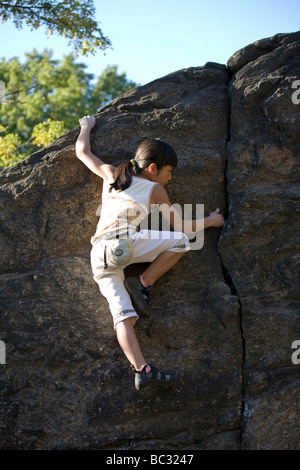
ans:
(147, 246)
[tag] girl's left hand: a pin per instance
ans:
(216, 218)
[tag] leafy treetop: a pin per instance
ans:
(44, 98)
(72, 19)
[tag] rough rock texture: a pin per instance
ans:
(260, 244)
(224, 318)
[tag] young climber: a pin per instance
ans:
(129, 192)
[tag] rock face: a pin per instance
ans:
(260, 244)
(225, 317)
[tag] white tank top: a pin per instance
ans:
(123, 211)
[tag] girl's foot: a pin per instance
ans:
(143, 379)
(140, 295)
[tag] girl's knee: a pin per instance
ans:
(182, 245)
(128, 322)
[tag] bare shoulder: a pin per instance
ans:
(108, 172)
(159, 195)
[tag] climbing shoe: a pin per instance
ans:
(140, 295)
(143, 380)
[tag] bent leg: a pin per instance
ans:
(160, 266)
(162, 249)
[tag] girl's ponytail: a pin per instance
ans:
(123, 175)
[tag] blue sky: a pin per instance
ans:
(152, 38)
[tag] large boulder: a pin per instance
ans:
(224, 318)
(260, 244)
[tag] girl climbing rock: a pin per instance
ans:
(129, 193)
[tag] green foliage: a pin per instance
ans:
(72, 19)
(46, 97)
(9, 144)
(46, 132)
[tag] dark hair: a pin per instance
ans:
(149, 151)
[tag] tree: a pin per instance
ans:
(73, 19)
(45, 98)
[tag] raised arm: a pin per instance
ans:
(170, 214)
(83, 150)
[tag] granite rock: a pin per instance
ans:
(224, 318)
